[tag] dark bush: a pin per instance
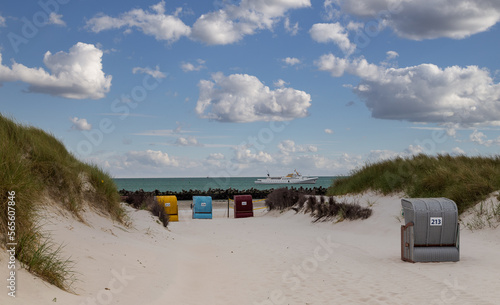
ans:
(322, 209)
(136, 199)
(355, 211)
(281, 199)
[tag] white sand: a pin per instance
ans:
(269, 259)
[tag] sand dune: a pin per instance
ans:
(273, 258)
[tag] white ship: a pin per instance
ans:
(293, 178)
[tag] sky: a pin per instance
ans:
(238, 88)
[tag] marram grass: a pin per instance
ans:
(41, 256)
(465, 180)
(34, 163)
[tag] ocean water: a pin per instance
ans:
(203, 184)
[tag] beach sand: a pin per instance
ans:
(273, 258)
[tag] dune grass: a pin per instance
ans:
(465, 180)
(146, 201)
(157, 210)
(34, 164)
(485, 214)
(41, 256)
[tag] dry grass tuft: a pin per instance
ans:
(323, 209)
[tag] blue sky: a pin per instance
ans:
(235, 88)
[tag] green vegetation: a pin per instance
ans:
(35, 165)
(465, 180)
(45, 259)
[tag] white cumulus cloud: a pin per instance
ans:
(56, 19)
(154, 73)
(189, 67)
(331, 11)
(80, 124)
(391, 54)
(217, 28)
(481, 139)
(417, 19)
(457, 151)
(292, 61)
(412, 150)
(77, 74)
(423, 93)
(332, 32)
(187, 141)
(328, 131)
(311, 148)
(244, 98)
(338, 66)
(151, 158)
(233, 22)
(355, 26)
(280, 83)
(292, 29)
(288, 147)
(382, 154)
(245, 155)
(153, 23)
(216, 156)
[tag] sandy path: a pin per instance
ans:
(269, 259)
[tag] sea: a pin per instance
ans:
(203, 184)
